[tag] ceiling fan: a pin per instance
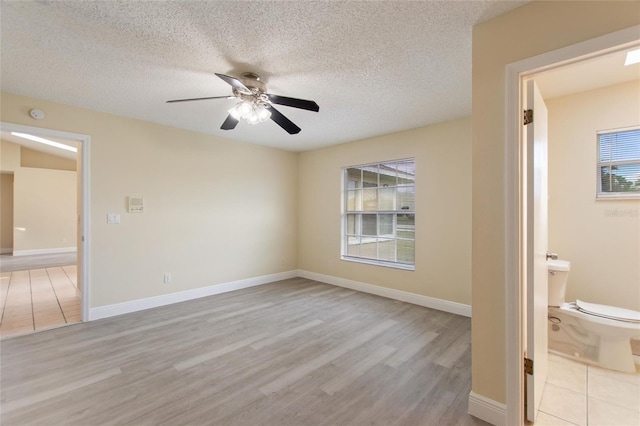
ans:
(256, 105)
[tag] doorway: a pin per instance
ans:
(516, 74)
(57, 278)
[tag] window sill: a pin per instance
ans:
(618, 196)
(393, 265)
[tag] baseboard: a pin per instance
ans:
(6, 250)
(182, 296)
(45, 251)
(196, 293)
(404, 296)
(487, 409)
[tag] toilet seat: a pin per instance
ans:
(610, 312)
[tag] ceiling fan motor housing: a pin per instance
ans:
(252, 81)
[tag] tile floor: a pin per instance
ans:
(585, 395)
(38, 299)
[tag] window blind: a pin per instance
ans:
(619, 162)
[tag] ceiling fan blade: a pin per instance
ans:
(200, 99)
(293, 102)
(230, 123)
(235, 83)
(283, 121)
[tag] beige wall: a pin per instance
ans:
(41, 160)
(44, 204)
(443, 217)
(600, 238)
(525, 32)
(6, 212)
(9, 156)
(9, 161)
(216, 210)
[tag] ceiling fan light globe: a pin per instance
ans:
(263, 113)
(253, 119)
(235, 112)
(245, 109)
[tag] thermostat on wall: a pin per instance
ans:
(135, 205)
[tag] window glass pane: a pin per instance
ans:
(407, 198)
(370, 176)
(388, 172)
(369, 248)
(406, 227)
(406, 251)
(353, 224)
(387, 249)
(353, 178)
(406, 172)
(370, 199)
(369, 224)
(353, 246)
(387, 199)
(622, 178)
(386, 225)
(354, 200)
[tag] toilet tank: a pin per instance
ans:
(558, 276)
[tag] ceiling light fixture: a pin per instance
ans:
(252, 111)
(633, 57)
(45, 141)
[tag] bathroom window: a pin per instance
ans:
(379, 213)
(619, 164)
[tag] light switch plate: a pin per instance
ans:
(113, 218)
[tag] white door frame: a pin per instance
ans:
(85, 190)
(515, 314)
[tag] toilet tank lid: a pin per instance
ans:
(606, 311)
(559, 265)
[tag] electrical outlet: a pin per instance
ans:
(167, 278)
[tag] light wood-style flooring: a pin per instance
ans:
(294, 352)
(38, 299)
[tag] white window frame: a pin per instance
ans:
(600, 195)
(344, 238)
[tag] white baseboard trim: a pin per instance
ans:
(487, 409)
(45, 251)
(6, 250)
(404, 296)
(182, 296)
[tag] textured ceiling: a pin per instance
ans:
(373, 67)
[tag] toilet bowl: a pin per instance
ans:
(598, 333)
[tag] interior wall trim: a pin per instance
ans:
(403, 296)
(45, 251)
(487, 409)
(182, 296)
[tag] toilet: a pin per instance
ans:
(595, 333)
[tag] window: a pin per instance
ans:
(619, 164)
(379, 213)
